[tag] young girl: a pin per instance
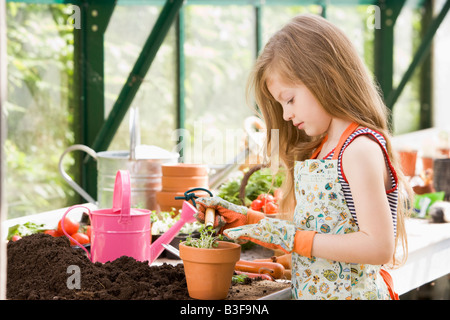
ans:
(343, 208)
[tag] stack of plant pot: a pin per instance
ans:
(176, 180)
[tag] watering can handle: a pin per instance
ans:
(68, 179)
(68, 235)
(122, 195)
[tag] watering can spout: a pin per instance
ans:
(186, 216)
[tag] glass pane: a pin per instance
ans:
(275, 17)
(220, 50)
(125, 36)
(353, 20)
(406, 113)
(39, 109)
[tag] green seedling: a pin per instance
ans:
(207, 240)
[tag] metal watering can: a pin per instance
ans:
(144, 168)
(145, 176)
(125, 231)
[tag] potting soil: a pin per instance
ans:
(45, 267)
(42, 267)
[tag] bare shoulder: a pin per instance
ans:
(363, 155)
(363, 143)
(363, 146)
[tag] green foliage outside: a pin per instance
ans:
(39, 109)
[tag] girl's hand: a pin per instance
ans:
(275, 234)
(269, 232)
(228, 215)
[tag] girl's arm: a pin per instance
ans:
(365, 169)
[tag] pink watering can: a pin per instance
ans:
(125, 231)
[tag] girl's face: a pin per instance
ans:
(299, 106)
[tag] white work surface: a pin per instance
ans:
(428, 244)
(428, 255)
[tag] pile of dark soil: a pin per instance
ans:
(41, 267)
(38, 268)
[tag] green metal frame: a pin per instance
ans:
(137, 75)
(109, 127)
(89, 83)
(420, 55)
(384, 55)
(384, 43)
(98, 133)
(426, 72)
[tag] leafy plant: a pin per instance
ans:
(25, 229)
(262, 181)
(164, 220)
(207, 240)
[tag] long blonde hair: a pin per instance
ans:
(312, 51)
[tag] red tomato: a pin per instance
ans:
(80, 237)
(15, 237)
(256, 205)
(265, 198)
(70, 226)
(53, 233)
(270, 208)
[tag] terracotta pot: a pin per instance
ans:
(427, 163)
(179, 178)
(184, 183)
(167, 201)
(408, 162)
(184, 170)
(209, 271)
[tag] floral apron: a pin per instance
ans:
(321, 207)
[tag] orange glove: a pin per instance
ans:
(303, 242)
(228, 215)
